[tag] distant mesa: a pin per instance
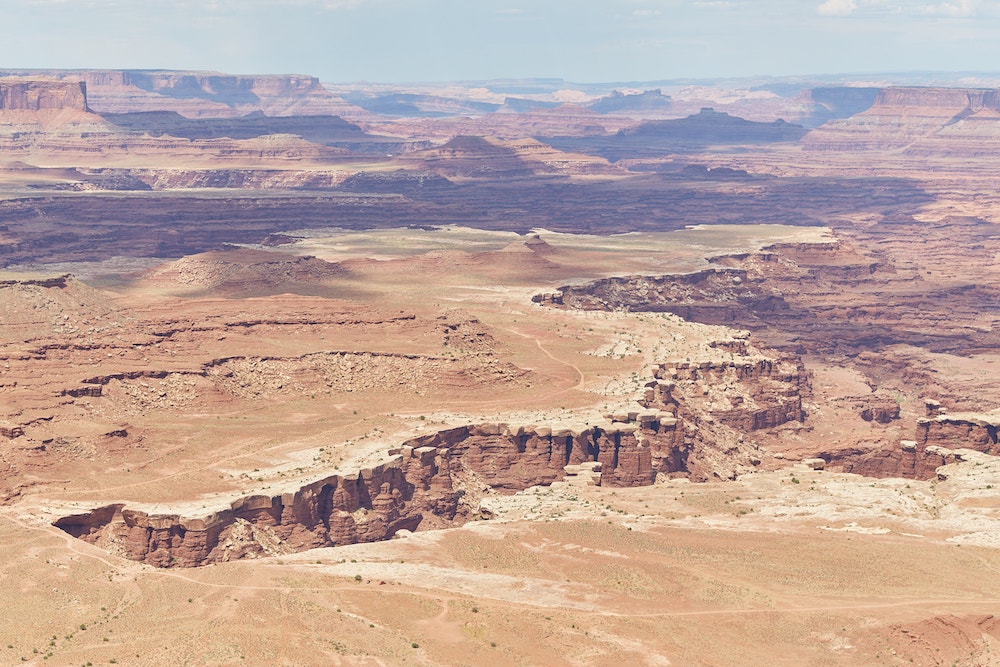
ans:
(322, 129)
(521, 105)
(412, 105)
(533, 249)
(420, 106)
(918, 122)
(528, 257)
(63, 115)
(326, 130)
(709, 127)
(42, 105)
(538, 245)
(530, 254)
(488, 157)
(42, 95)
(199, 94)
(702, 130)
(646, 101)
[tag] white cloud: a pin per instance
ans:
(646, 12)
(914, 8)
(961, 8)
(837, 7)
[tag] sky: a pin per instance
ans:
(442, 40)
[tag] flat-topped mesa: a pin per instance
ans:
(918, 121)
(198, 94)
(42, 95)
(945, 99)
(488, 157)
(52, 281)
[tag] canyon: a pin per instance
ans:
(497, 373)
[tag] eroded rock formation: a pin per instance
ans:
(719, 407)
(429, 480)
(369, 505)
(938, 440)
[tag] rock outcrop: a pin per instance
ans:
(754, 394)
(512, 458)
(938, 440)
(960, 431)
(711, 296)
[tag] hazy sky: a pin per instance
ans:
(433, 40)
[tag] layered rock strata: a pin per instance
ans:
(919, 122)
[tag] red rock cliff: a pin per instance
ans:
(420, 484)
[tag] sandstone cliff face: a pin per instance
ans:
(512, 458)
(757, 394)
(906, 460)
(342, 509)
(42, 95)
